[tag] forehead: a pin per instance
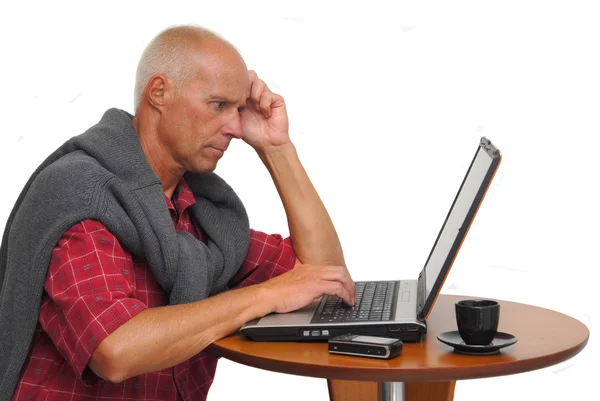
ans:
(221, 71)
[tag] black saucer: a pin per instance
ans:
(452, 338)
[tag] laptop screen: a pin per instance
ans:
(458, 221)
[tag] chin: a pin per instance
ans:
(203, 164)
(204, 169)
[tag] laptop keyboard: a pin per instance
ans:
(375, 301)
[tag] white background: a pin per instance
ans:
(387, 102)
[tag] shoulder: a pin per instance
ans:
(74, 180)
(74, 167)
(66, 191)
(90, 235)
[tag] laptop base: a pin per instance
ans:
(406, 333)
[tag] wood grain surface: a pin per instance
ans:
(545, 338)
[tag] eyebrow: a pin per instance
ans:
(217, 98)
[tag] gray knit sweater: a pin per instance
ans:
(103, 174)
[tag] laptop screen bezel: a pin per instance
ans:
(425, 303)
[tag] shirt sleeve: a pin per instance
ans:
(268, 256)
(90, 289)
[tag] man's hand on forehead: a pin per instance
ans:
(259, 94)
(264, 120)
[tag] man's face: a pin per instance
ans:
(202, 116)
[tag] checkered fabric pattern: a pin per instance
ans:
(94, 285)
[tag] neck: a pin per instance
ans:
(168, 173)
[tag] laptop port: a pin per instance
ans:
(394, 329)
(413, 328)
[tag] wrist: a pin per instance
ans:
(264, 299)
(276, 158)
(275, 151)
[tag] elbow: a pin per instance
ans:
(107, 363)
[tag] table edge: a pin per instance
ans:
(412, 375)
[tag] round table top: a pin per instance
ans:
(545, 338)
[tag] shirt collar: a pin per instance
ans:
(182, 198)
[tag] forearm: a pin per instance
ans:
(314, 238)
(158, 338)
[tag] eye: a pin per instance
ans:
(220, 105)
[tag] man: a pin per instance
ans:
(140, 255)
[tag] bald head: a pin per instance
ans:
(173, 53)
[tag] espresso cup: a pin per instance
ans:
(477, 320)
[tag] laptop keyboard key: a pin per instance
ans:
(374, 302)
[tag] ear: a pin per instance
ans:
(157, 91)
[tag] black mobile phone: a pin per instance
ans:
(369, 346)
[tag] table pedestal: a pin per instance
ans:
(349, 390)
(392, 391)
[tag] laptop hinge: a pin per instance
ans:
(420, 291)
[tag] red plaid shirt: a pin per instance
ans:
(93, 286)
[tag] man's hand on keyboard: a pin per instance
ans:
(305, 283)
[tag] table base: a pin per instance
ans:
(392, 391)
(350, 390)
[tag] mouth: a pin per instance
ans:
(222, 150)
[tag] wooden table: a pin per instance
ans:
(430, 368)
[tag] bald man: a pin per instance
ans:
(127, 256)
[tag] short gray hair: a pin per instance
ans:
(169, 54)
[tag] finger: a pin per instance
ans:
(266, 100)
(331, 273)
(336, 288)
(341, 274)
(351, 285)
(253, 88)
(258, 88)
(252, 77)
(249, 101)
(277, 103)
(347, 291)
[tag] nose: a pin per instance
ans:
(234, 126)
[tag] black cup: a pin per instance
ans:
(477, 320)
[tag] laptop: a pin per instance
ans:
(397, 309)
